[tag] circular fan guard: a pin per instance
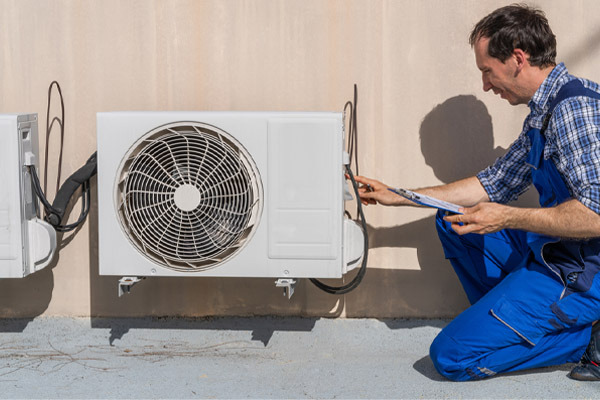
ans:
(189, 196)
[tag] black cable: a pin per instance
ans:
(49, 126)
(355, 129)
(54, 213)
(38, 190)
(85, 209)
(353, 133)
(350, 145)
(51, 211)
(355, 139)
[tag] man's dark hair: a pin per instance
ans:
(517, 26)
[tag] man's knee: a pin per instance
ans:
(440, 354)
(455, 361)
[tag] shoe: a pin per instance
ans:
(585, 372)
(588, 368)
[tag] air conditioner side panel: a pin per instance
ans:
(18, 133)
(304, 171)
(11, 256)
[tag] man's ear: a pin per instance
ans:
(521, 59)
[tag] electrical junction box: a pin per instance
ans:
(27, 243)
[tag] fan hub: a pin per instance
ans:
(187, 197)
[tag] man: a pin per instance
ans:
(531, 274)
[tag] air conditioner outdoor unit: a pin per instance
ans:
(27, 243)
(227, 194)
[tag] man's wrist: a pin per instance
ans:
(515, 218)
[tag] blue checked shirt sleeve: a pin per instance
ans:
(509, 176)
(576, 123)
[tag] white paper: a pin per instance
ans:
(427, 200)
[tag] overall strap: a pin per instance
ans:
(572, 88)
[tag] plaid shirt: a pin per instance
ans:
(572, 142)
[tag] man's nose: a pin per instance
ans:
(486, 85)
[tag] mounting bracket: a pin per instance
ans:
(288, 285)
(127, 282)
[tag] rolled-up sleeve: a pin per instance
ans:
(509, 176)
(576, 123)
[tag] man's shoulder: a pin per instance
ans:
(573, 98)
(589, 84)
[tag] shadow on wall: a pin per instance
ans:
(457, 138)
(29, 296)
(457, 142)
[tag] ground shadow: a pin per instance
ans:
(262, 328)
(425, 367)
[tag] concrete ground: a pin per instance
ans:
(246, 358)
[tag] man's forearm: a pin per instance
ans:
(570, 219)
(465, 192)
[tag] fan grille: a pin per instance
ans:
(189, 196)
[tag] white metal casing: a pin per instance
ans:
(299, 158)
(27, 244)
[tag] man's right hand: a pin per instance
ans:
(372, 191)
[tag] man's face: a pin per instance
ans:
(497, 76)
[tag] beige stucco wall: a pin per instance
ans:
(423, 120)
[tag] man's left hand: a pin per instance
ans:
(482, 218)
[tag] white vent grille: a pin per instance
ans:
(189, 196)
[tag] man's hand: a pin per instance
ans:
(481, 218)
(375, 192)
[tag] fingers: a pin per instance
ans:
(360, 179)
(463, 228)
(455, 218)
(367, 189)
(461, 223)
(366, 196)
(368, 182)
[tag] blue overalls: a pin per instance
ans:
(533, 297)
